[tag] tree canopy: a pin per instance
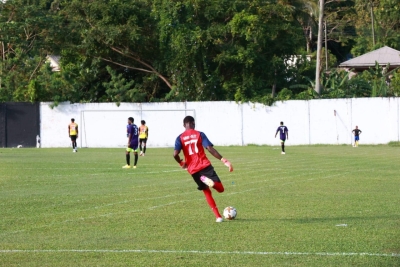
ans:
(189, 50)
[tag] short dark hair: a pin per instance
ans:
(130, 119)
(72, 119)
(143, 122)
(188, 119)
(281, 122)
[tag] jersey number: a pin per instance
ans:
(192, 143)
(135, 130)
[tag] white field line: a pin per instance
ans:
(286, 253)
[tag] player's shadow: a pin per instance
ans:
(246, 220)
(339, 219)
(310, 220)
(343, 219)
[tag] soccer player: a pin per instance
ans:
(284, 135)
(133, 142)
(356, 133)
(192, 143)
(143, 135)
(73, 134)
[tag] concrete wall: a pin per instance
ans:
(327, 121)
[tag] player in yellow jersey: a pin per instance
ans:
(143, 135)
(73, 134)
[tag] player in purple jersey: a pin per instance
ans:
(133, 143)
(284, 135)
(356, 133)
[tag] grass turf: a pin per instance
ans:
(314, 206)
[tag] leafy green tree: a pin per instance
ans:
(120, 89)
(386, 17)
(26, 38)
(395, 83)
(121, 33)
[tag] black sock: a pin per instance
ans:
(283, 147)
(144, 149)
(140, 146)
(75, 145)
(128, 159)
(136, 158)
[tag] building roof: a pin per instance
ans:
(54, 62)
(383, 56)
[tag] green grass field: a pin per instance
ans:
(314, 206)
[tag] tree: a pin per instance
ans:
(121, 33)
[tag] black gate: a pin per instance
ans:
(19, 124)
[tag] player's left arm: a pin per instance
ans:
(217, 155)
(287, 134)
(214, 152)
(210, 147)
(76, 131)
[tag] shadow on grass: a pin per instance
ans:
(318, 220)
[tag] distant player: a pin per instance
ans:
(143, 135)
(356, 133)
(284, 135)
(133, 143)
(73, 134)
(192, 143)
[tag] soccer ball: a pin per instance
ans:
(230, 213)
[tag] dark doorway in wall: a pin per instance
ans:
(19, 124)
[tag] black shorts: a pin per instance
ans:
(73, 137)
(143, 140)
(208, 172)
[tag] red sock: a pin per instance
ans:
(211, 202)
(219, 187)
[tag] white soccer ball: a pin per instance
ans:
(230, 213)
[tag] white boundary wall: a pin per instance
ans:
(227, 123)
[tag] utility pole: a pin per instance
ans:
(372, 22)
(326, 49)
(319, 47)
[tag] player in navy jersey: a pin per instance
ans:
(284, 135)
(356, 133)
(133, 143)
(192, 143)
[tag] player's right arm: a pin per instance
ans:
(130, 129)
(177, 151)
(69, 132)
